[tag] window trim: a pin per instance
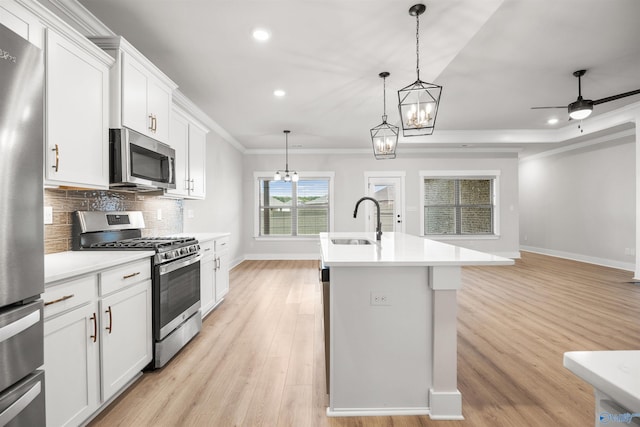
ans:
(258, 175)
(463, 174)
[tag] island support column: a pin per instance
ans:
(445, 400)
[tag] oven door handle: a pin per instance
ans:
(173, 266)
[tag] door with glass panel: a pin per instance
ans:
(388, 192)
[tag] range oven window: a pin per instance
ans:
(147, 164)
(178, 290)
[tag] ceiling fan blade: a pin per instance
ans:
(614, 97)
(540, 108)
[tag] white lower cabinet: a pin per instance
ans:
(71, 360)
(214, 273)
(95, 345)
(222, 268)
(126, 331)
(207, 277)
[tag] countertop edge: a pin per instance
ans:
(73, 264)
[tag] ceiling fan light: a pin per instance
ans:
(580, 109)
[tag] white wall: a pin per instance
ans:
(349, 187)
(581, 204)
(222, 210)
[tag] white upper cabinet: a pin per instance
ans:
(189, 139)
(141, 95)
(77, 113)
(197, 161)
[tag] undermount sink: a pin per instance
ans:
(351, 242)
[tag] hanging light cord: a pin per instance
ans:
(286, 152)
(418, 45)
(384, 100)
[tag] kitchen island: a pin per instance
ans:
(392, 323)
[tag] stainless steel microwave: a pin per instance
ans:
(140, 163)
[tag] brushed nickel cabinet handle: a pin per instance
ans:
(57, 150)
(154, 123)
(193, 184)
(64, 298)
(129, 276)
(110, 327)
(94, 337)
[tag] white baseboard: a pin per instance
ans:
(512, 255)
(628, 266)
(294, 256)
(445, 405)
(376, 412)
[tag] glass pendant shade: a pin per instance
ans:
(384, 137)
(418, 103)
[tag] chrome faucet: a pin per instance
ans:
(379, 224)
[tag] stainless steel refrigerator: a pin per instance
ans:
(21, 232)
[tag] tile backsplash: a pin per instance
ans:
(57, 236)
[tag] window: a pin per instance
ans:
(459, 205)
(294, 209)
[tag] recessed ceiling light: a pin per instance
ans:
(261, 34)
(553, 121)
(279, 93)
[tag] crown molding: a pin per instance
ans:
(80, 17)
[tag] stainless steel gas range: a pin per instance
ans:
(176, 273)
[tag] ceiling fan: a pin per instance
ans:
(582, 108)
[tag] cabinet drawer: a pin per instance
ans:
(125, 275)
(207, 249)
(222, 244)
(63, 297)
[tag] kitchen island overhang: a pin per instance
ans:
(393, 323)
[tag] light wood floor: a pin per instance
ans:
(259, 359)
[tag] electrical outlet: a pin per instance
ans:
(380, 298)
(48, 215)
(159, 214)
(190, 213)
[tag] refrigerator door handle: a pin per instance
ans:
(13, 329)
(12, 411)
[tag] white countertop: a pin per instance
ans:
(615, 373)
(203, 237)
(399, 249)
(64, 265)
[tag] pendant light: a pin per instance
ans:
(418, 102)
(286, 175)
(384, 136)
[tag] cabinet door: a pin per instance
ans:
(222, 275)
(159, 107)
(134, 96)
(197, 161)
(76, 116)
(179, 141)
(207, 285)
(71, 366)
(126, 336)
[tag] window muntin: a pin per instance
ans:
(293, 208)
(459, 206)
